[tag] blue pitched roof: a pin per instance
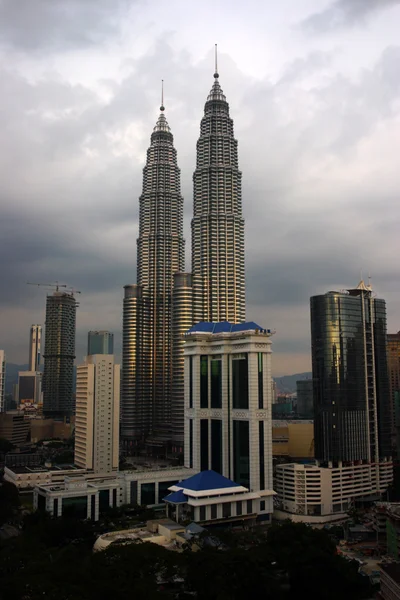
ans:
(176, 497)
(206, 480)
(224, 327)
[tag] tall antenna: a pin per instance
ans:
(216, 61)
(162, 95)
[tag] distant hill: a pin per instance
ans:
(287, 383)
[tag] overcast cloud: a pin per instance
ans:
(317, 117)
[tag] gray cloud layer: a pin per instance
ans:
(38, 25)
(344, 13)
(320, 183)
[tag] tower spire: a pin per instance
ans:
(162, 108)
(216, 75)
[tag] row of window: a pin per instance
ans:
(212, 369)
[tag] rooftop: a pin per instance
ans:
(207, 480)
(226, 327)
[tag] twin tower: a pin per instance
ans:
(166, 301)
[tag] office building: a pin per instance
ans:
(393, 354)
(14, 427)
(350, 376)
(217, 224)
(35, 341)
(351, 410)
(100, 342)
(97, 414)
(29, 389)
(148, 313)
(59, 355)
(181, 323)
(2, 381)
(305, 406)
(228, 403)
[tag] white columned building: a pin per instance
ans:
(228, 403)
(97, 414)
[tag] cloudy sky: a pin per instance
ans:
(314, 91)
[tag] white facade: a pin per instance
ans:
(97, 414)
(228, 423)
(2, 380)
(35, 341)
(312, 493)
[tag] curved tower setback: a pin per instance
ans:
(217, 224)
(147, 359)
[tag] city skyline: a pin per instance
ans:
(316, 134)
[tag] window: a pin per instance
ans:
(203, 381)
(262, 505)
(190, 381)
(261, 453)
(214, 511)
(226, 510)
(240, 386)
(249, 507)
(241, 458)
(239, 510)
(203, 444)
(216, 383)
(191, 443)
(260, 381)
(202, 513)
(216, 445)
(148, 493)
(163, 489)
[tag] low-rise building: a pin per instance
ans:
(390, 582)
(293, 438)
(210, 498)
(87, 498)
(310, 493)
(14, 427)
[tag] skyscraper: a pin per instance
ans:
(147, 321)
(97, 414)
(217, 224)
(59, 355)
(2, 381)
(393, 347)
(35, 340)
(350, 377)
(100, 342)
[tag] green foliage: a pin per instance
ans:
(53, 559)
(9, 501)
(5, 446)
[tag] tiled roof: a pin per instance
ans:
(207, 480)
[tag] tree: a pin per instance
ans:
(9, 501)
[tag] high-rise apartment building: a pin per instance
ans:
(100, 342)
(59, 355)
(147, 321)
(2, 381)
(228, 403)
(35, 341)
(97, 414)
(350, 376)
(217, 224)
(393, 353)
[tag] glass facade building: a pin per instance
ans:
(350, 376)
(100, 342)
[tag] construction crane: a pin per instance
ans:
(57, 286)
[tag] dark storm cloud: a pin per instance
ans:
(344, 13)
(39, 25)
